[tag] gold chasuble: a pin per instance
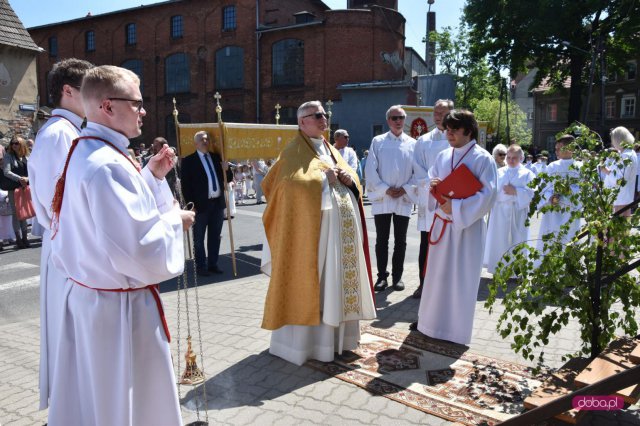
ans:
(292, 219)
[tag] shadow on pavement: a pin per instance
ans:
(250, 382)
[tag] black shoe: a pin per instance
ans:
(418, 293)
(398, 285)
(203, 272)
(215, 270)
(381, 284)
(413, 326)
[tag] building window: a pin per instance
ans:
(90, 41)
(177, 29)
(53, 46)
(552, 112)
(610, 107)
(130, 34)
(134, 65)
(377, 130)
(530, 114)
(288, 63)
(628, 106)
(632, 69)
(229, 68)
(551, 144)
(229, 18)
(176, 71)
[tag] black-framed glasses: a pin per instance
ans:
(317, 115)
(138, 102)
(397, 117)
(502, 154)
(14, 143)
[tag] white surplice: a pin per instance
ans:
(350, 156)
(428, 146)
(118, 229)
(390, 164)
(551, 222)
(454, 265)
(539, 167)
(338, 331)
(509, 213)
(45, 166)
(618, 170)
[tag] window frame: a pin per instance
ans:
(229, 18)
(552, 112)
(130, 34)
(231, 67)
(610, 107)
(278, 63)
(627, 71)
(178, 88)
(90, 41)
(176, 27)
(53, 46)
(623, 108)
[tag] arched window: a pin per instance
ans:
(90, 41)
(229, 68)
(176, 73)
(287, 58)
(135, 65)
(177, 28)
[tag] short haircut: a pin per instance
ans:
(68, 71)
(499, 149)
(198, 136)
(106, 81)
(306, 106)
(395, 108)
(339, 132)
(517, 148)
(161, 139)
(23, 150)
(620, 135)
(448, 103)
(461, 119)
(565, 139)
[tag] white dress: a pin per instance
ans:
(6, 228)
(454, 265)
(509, 213)
(45, 166)
(118, 230)
(296, 343)
(626, 195)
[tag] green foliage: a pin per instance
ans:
(488, 110)
(514, 34)
(557, 285)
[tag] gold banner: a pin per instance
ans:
(241, 141)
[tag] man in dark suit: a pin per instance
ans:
(203, 185)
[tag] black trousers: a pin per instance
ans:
(383, 228)
(422, 255)
(208, 221)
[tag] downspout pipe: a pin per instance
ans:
(258, 35)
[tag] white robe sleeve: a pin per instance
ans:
(466, 212)
(160, 190)
(141, 243)
(524, 194)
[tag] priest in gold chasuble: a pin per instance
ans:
(316, 250)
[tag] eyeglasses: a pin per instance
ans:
(502, 154)
(397, 117)
(346, 136)
(317, 115)
(138, 102)
(14, 143)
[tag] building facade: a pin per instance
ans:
(256, 54)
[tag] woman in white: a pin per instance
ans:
(238, 178)
(499, 153)
(506, 222)
(622, 141)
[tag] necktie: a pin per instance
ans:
(207, 159)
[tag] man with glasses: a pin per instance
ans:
(203, 185)
(391, 190)
(341, 138)
(320, 284)
(428, 146)
(45, 165)
(117, 232)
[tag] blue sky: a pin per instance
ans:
(39, 12)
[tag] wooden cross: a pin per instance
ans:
(278, 113)
(217, 96)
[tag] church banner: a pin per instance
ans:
(420, 121)
(241, 141)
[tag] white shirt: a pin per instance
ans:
(350, 157)
(210, 179)
(428, 146)
(390, 164)
(618, 171)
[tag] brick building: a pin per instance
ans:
(256, 53)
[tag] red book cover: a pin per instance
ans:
(460, 184)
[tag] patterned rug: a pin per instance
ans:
(433, 376)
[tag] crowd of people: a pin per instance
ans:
(104, 338)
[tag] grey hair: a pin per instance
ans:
(340, 132)
(621, 135)
(308, 105)
(393, 108)
(499, 149)
(198, 136)
(448, 103)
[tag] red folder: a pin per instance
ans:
(461, 183)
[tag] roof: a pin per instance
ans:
(375, 85)
(12, 32)
(545, 84)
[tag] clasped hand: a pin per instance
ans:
(336, 174)
(446, 207)
(162, 163)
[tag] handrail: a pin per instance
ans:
(605, 386)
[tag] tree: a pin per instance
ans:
(564, 281)
(513, 33)
(489, 110)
